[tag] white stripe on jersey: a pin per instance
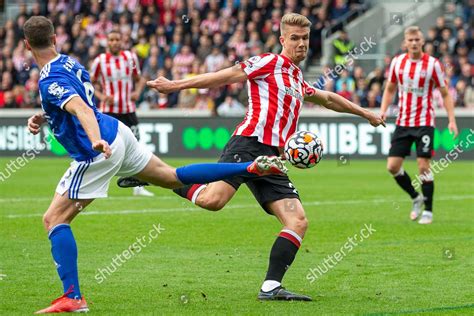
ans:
(263, 91)
(424, 110)
(292, 105)
(414, 96)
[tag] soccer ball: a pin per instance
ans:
(303, 149)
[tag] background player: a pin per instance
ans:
(276, 90)
(118, 71)
(67, 100)
(416, 75)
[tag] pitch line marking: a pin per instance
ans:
(236, 206)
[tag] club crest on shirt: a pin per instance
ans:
(423, 74)
(56, 90)
(252, 60)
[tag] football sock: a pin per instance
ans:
(281, 256)
(190, 191)
(210, 172)
(427, 187)
(404, 181)
(270, 285)
(64, 251)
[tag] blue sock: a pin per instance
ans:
(210, 172)
(64, 251)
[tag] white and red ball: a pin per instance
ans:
(303, 149)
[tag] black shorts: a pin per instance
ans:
(403, 139)
(267, 188)
(129, 119)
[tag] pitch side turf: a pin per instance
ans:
(199, 262)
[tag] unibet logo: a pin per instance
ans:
(205, 138)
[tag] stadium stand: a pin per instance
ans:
(179, 39)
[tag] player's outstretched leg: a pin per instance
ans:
(64, 250)
(215, 198)
(427, 187)
(394, 166)
(159, 173)
(284, 249)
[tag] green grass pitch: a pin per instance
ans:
(213, 263)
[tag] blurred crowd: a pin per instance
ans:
(175, 39)
(452, 44)
(179, 39)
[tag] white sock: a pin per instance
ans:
(269, 285)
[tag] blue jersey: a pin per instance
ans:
(62, 79)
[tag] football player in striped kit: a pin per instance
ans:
(276, 90)
(416, 74)
(118, 71)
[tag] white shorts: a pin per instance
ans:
(90, 179)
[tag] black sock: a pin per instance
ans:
(188, 191)
(282, 255)
(404, 182)
(427, 187)
(183, 191)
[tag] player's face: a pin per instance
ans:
(295, 42)
(414, 42)
(114, 43)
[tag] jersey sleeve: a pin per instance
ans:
(258, 66)
(57, 92)
(308, 89)
(392, 77)
(438, 75)
(95, 69)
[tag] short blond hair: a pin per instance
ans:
(294, 19)
(412, 30)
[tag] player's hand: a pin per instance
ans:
(163, 85)
(375, 119)
(108, 99)
(135, 96)
(453, 128)
(35, 122)
(103, 147)
(383, 115)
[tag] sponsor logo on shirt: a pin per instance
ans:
(56, 90)
(294, 93)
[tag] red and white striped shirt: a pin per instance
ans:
(417, 80)
(116, 74)
(276, 91)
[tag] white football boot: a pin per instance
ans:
(141, 191)
(417, 207)
(426, 218)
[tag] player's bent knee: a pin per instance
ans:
(393, 169)
(302, 224)
(49, 221)
(211, 203)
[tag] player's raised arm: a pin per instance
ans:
(337, 103)
(209, 80)
(77, 107)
